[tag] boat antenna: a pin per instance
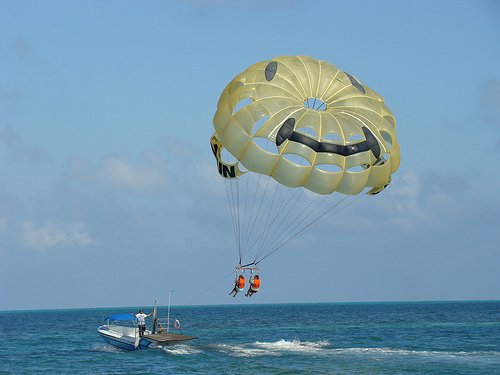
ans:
(155, 320)
(168, 311)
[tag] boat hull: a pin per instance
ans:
(127, 336)
(126, 342)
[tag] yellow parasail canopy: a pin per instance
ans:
(327, 131)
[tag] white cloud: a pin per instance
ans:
(209, 178)
(406, 195)
(51, 234)
(119, 172)
(430, 200)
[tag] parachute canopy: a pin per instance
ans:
(289, 132)
(304, 122)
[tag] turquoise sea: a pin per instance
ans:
(329, 338)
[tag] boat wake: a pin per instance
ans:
(323, 347)
(107, 349)
(294, 346)
(180, 349)
(415, 353)
(276, 348)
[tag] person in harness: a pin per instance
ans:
(254, 286)
(239, 285)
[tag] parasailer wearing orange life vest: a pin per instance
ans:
(254, 286)
(239, 285)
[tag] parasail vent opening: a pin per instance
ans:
(387, 138)
(299, 160)
(331, 168)
(316, 104)
(266, 144)
(358, 168)
(242, 104)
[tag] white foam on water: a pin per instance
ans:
(417, 353)
(244, 350)
(276, 348)
(181, 350)
(294, 346)
(107, 349)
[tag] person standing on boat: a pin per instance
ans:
(141, 322)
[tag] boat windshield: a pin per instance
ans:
(120, 317)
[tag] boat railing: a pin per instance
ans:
(164, 325)
(122, 327)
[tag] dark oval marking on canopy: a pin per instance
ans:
(270, 71)
(355, 83)
(371, 141)
(285, 131)
(369, 144)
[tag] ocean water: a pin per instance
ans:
(333, 338)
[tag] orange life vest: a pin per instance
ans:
(256, 283)
(241, 283)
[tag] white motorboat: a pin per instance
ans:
(121, 330)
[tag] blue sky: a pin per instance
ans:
(109, 195)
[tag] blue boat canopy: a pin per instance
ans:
(126, 316)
